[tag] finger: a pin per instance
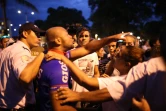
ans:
(49, 58)
(66, 101)
(47, 55)
(63, 89)
(125, 34)
(136, 103)
(61, 93)
(62, 97)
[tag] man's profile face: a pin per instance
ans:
(32, 39)
(67, 40)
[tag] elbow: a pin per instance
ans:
(25, 80)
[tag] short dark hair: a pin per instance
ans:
(152, 41)
(72, 30)
(81, 30)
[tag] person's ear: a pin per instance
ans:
(58, 41)
(128, 64)
(25, 34)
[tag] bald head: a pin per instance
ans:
(58, 37)
(53, 33)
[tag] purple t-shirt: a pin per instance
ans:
(52, 75)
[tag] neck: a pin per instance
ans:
(124, 72)
(25, 42)
(57, 49)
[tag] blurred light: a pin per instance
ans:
(120, 40)
(7, 29)
(131, 33)
(11, 24)
(14, 29)
(96, 35)
(2, 23)
(19, 11)
(20, 25)
(0, 28)
(9, 35)
(27, 21)
(138, 37)
(98, 38)
(32, 13)
(122, 32)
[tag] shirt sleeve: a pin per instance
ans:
(114, 85)
(58, 79)
(96, 59)
(133, 85)
(20, 61)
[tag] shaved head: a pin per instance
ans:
(53, 33)
(58, 37)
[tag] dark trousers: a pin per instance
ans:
(27, 108)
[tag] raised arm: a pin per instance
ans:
(78, 75)
(94, 46)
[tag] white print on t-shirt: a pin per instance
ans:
(86, 65)
(65, 73)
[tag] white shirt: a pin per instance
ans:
(147, 78)
(13, 61)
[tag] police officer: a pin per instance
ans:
(17, 70)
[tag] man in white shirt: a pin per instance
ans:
(147, 78)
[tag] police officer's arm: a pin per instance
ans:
(67, 95)
(31, 70)
(93, 46)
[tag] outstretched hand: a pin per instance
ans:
(121, 36)
(67, 95)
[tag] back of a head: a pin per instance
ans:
(53, 33)
(72, 30)
(133, 54)
(152, 41)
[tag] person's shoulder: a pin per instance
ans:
(156, 63)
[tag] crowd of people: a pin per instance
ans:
(77, 72)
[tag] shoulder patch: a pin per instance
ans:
(25, 58)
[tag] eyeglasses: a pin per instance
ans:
(84, 36)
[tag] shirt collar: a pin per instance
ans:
(58, 51)
(23, 45)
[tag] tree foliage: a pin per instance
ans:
(3, 4)
(61, 17)
(115, 16)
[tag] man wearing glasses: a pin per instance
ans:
(17, 70)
